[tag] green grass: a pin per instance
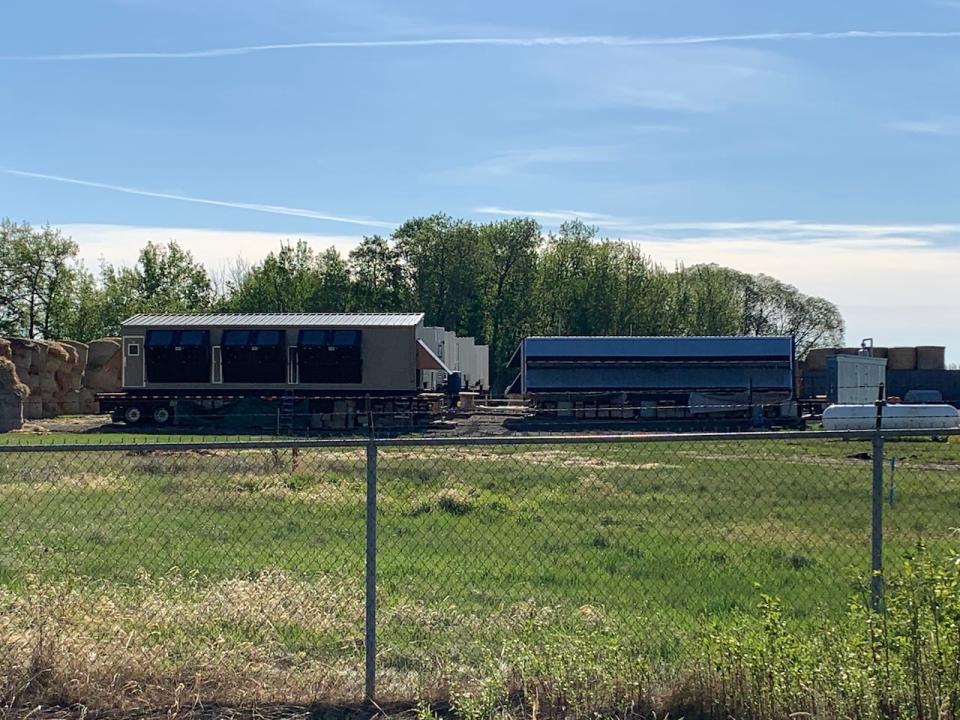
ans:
(479, 549)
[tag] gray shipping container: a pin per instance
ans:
(387, 346)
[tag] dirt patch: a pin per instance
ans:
(554, 458)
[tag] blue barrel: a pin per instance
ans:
(454, 384)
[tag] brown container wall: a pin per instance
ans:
(931, 357)
(902, 358)
(817, 358)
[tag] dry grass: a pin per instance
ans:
(172, 642)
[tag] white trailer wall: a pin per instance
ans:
(467, 354)
(483, 366)
(435, 339)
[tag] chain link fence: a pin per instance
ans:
(337, 570)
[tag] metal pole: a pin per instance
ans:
(370, 615)
(876, 523)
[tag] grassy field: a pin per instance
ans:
(240, 573)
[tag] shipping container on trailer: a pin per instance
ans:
(748, 380)
(300, 365)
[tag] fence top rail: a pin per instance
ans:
(454, 441)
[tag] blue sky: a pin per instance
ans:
(816, 141)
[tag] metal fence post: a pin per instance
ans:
(876, 526)
(370, 582)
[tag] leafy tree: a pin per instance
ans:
(450, 272)
(331, 292)
(35, 267)
(378, 279)
(283, 282)
(511, 247)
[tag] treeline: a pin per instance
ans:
(497, 281)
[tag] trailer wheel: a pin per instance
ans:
(132, 415)
(162, 415)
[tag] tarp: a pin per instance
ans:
(427, 360)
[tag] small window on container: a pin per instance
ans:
(234, 338)
(264, 338)
(159, 338)
(345, 338)
(193, 338)
(314, 338)
(133, 349)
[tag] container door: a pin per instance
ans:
(133, 375)
(216, 365)
(293, 365)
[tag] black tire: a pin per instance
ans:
(162, 415)
(132, 415)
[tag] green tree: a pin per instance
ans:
(378, 277)
(35, 265)
(450, 272)
(285, 281)
(511, 247)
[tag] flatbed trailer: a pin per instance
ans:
(272, 411)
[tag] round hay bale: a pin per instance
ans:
(880, 352)
(56, 354)
(103, 351)
(11, 411)
(22, 353)
(48, 385)
(931, 357)
(817, 358)
(5, 349)
(902, 358)
(103, 380)
(83, 351)
(10, 381)
(70, 405)
(88, 402)
(848, 351)
(33, 408)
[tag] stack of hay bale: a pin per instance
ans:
(53, 372)
(104, 365)
(12, 391)
(55, 376)
(70, 379)
(29, 357)
(46, 378)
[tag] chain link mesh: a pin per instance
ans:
(130, 576)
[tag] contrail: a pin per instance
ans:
(256, 207)
(558, 40)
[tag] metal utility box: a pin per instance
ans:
(855, 379)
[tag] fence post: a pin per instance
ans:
(876, 523)
(370, 582)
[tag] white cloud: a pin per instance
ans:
(939, 126)
(512, 162)
(554, 217)
(120, 244)
(542, 41)
(255, 207)
(900, 234)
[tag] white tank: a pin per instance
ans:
(895, 417)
